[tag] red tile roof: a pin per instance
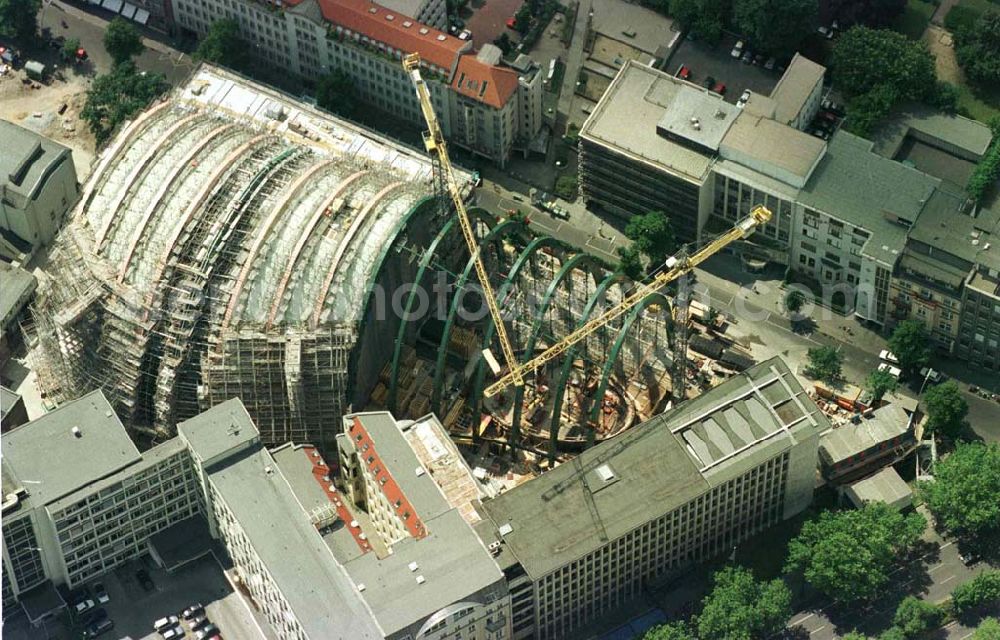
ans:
(484, 82)
(382, 25)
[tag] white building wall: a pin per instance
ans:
(38, 220)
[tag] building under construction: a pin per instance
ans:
(235, 242)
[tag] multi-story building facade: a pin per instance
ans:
(37, 186)
(484, 105)
(71, 521)
(587, 537)
(799, 92)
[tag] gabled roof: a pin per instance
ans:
(484, 82)
(394, 30)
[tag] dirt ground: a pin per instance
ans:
(943, 48)
(36, 106)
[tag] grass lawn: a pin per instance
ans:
(915, 17)
(982, 107)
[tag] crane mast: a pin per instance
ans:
(435, 144)
(676, 267)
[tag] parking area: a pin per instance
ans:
(705, 60)
(136, 600)
(487, 20)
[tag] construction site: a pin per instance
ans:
(233, 241)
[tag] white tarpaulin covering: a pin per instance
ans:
(129, 11)
(141, 16)
(112, 5)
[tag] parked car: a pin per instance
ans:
(143, 577)
(747, 57)
(826, 32)
(683, 73)
(173, 633)
(198, 622)
(101, 593)
(770, 62)
(891, 370)
(84, 605)
(193, 611)
(970, 557)
(165, 623)
(932, 375)
(720, 88)
(737, 50)
(97, 628)
(206, 632)
(709, 82)
(511, 23)
(888, 356)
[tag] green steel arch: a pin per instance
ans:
(613, 354)
(425, 261)
(567, 366)
(530, 250)
(418, 206)
(536, 325)
(496, 233)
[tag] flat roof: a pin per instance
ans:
(850, 439)
(969, 135)
(16, 281)
(795, 86)
(860, 187)
(773, 148)
(216, 431)
(947, 226)
(651, 29)
(626, 117)
(51, 462)
(698, 116)
(27, 159)
(885, 486)
(654, 468)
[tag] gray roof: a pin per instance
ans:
(627, 115)
(28, 158)
(862, 188)
(318, 590)
(7, 401)
(946, 227)
(214, 432)
(969, 135)
(841, 443)
(794, 87)
(655, 467)
(15, 282)
(652, 29)
(698, 116)
(51, 462)
(885, 486)
(775, 149)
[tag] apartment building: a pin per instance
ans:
(686, 486)
(80, 499)
(485, 105)
(37, 186)
(799, 92)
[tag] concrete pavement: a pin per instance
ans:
(574, 57)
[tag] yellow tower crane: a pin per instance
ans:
(435, 144)
(675, 267)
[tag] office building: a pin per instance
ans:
(484, 105)
(870, 441)
(37, 187)
(590, 536)
(799, 92)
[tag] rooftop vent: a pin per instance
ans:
(407, 24)
(494, 548)
(362, 536)
(419, 471)
(421, 579)
(424, 31)
(361, 586)
(605, 473)
(505, 528)
(373, 10)
(268, 470)
(720, 114)
(354, 523)
(441, 38)
(413, 566)
(390, 17)
(76, 432)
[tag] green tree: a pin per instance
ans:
(653, 235)
(988, 629)
(892, 633)
(335, 92)
(794, 301)
(864, 59)
(566, 186)
(703, 18)
(825, 363)
(122, 41)
(68, 51)
(965, 493)
(669, 631)
(946, 409)
(982, 590)
(19, 19)
(868, 109)
(914, 616)
(854, 635)
(910, 342)
(504, 42)
(630, 262)
(223, 44)
(871, 13)
(117, 96)
(522, 19)
(879, 383)
(848, 554)
(978, 49)
(986, 175)
(741, 607)
(776, 26)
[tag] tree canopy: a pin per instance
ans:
(566, 186)
(669, 631)
(703, 18)
(910, 342)
(946, 409)
(879, 383)
(653, 235)
(978, 49)
(740, 607)
(122, 41)
(776, 26)
(982, 590)
(19, 19)
(630, 263)
(848, 554)
(870, 13)
(117, 96)
(223, 44)
(794, 301)
(965, 493)
(915, 616)
(825, 363)
(988, 629)
(68, 51)
(335, 93)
